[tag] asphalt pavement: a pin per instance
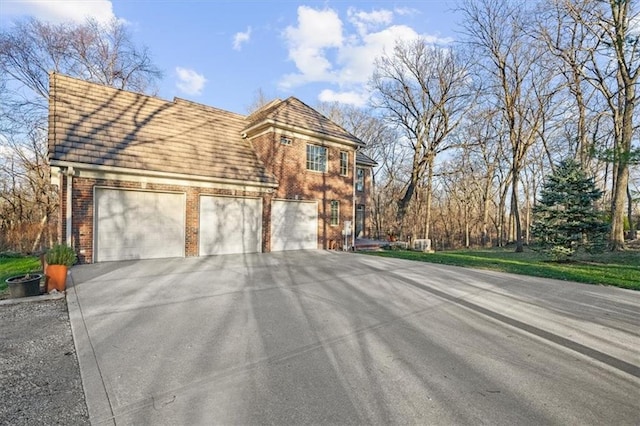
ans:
(323, 337)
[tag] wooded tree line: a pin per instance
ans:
(464, 133)
(28, 52)
(473, 128)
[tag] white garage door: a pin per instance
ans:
(294, 225)
(230, 225)
(138, 224)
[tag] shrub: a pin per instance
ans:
(61, 254)
(560, 253)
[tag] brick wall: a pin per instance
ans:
(286, 162)
(83, 211)
(289, 165)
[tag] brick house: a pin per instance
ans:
(151, 178)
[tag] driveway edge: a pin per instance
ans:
(97, 399)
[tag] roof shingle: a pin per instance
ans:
(365, 160)
(294, 112)
(99, 125)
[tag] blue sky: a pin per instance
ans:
(221, 52)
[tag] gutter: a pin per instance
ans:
(353, 202)
(69, 219)
(159, 174)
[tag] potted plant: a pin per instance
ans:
(58, 260)
(24, 285)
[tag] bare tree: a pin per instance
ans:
(483, 139)
(258, 100)
(568, 42)
(29, 50)
(380, 145)
(517, 82)
(423, 90)
(613, 69)
(94, 52)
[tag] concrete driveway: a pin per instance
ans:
(322, 337)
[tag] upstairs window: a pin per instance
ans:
(316, 158)
(360, 179)
(335, 212)
(344, 163)
(285, 140)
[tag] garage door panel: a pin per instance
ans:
(294, 225)
(230, 225)
(139, 224)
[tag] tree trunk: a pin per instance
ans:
(500, 222)
(618, 208)
(622, 152)
(527, 222)
(516, 214)
(484, 233)
(466, 225)
(627, 73)
(407, 197)
(632, 226)
(41, 227)
(427, 221)
(503, 229)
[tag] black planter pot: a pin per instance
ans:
(20, 286)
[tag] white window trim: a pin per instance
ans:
(346, 164)
(286, 141)
(358, 183)
(331, 213)
(326, 157)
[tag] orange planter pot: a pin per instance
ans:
(56, 277)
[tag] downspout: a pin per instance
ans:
(353, 203)
(69, 222)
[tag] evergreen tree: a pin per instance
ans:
(565, 217)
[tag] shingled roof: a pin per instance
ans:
(292, 112)
(365, 160)
(99, 125)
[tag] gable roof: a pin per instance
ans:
(294, 114)
(98, 125)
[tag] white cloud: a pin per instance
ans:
(349, 97)
(317, 31)
(58, 11)
(240, 38)
(189, 81)
(323, 52)
(357, 60)
(368, 21)
(316, 28)
(406, 11)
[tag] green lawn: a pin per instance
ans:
(617, 269)
(10, 266)
(620, 269)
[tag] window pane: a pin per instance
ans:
(316, 158)
(344, 163)
(335, 212)
(360, 179)
(285, 140)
